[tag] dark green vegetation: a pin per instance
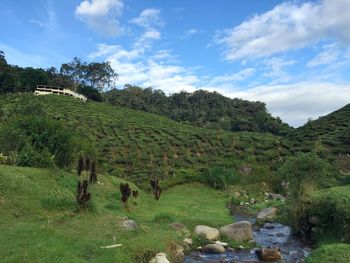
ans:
(42, 224)
(138, 145)
(331, 206)
(29, 137)
(329, 135)
(201, 108)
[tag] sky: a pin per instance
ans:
(292, 55)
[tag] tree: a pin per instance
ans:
(97, 75)
(3, 62)
(100, 75)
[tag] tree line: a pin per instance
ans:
(201, 108)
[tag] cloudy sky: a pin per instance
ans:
(293, 55)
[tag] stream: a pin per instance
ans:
(292, 248)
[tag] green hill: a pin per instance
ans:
(200, 108)
(329, 136)
(137, 145)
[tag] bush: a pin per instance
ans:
(219, 177)
(304, 173)
(38, 141)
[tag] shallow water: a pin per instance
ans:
(292, 248)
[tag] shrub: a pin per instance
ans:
(156, 188)
(219, 177)
(304, 173)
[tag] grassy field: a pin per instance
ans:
(39, 221)
(137, 145)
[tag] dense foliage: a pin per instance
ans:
(33, 139)
(219, 177)
(303, 173)
(201, 108)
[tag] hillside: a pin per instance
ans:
(138, 145)
(200, 108)
(40, 222)
(329, 136)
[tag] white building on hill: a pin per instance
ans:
(45, 90)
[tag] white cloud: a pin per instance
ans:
(234, 77)
(330, 54)
(148, 18)
(101, 15)
(190, 32)
(287, 26)
(296, 103)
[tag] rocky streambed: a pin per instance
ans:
(270, 238)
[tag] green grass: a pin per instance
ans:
(335, 253)
(138, 145)
(40, 223)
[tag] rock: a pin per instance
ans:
(129, 225)
(177, 254)
(160, 258)
(240, 231)
(209, 233)
(246, 170)
(188, 241)
(267, 213)
(269, 226)
(213, 248)
(269, 254)
(221, 243)
(180, 227)
(277, 197)
(252, 201)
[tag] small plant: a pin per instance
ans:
(135, 193)
(125, 190)
(156, 188)
(83, 196)
(93, 175)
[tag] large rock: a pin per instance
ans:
(180, 227)
(269, 254)
(129, 225)
(213, 248)
(277, 197)
(160, 258)
(176, 253)
(209, 233)
(240, 231)
(267, 213)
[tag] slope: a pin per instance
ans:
(137, 145)
(40, 223)
(329, 136)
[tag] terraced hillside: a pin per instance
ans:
(328, 135)
(137, 145)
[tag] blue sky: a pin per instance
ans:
(293, 55)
